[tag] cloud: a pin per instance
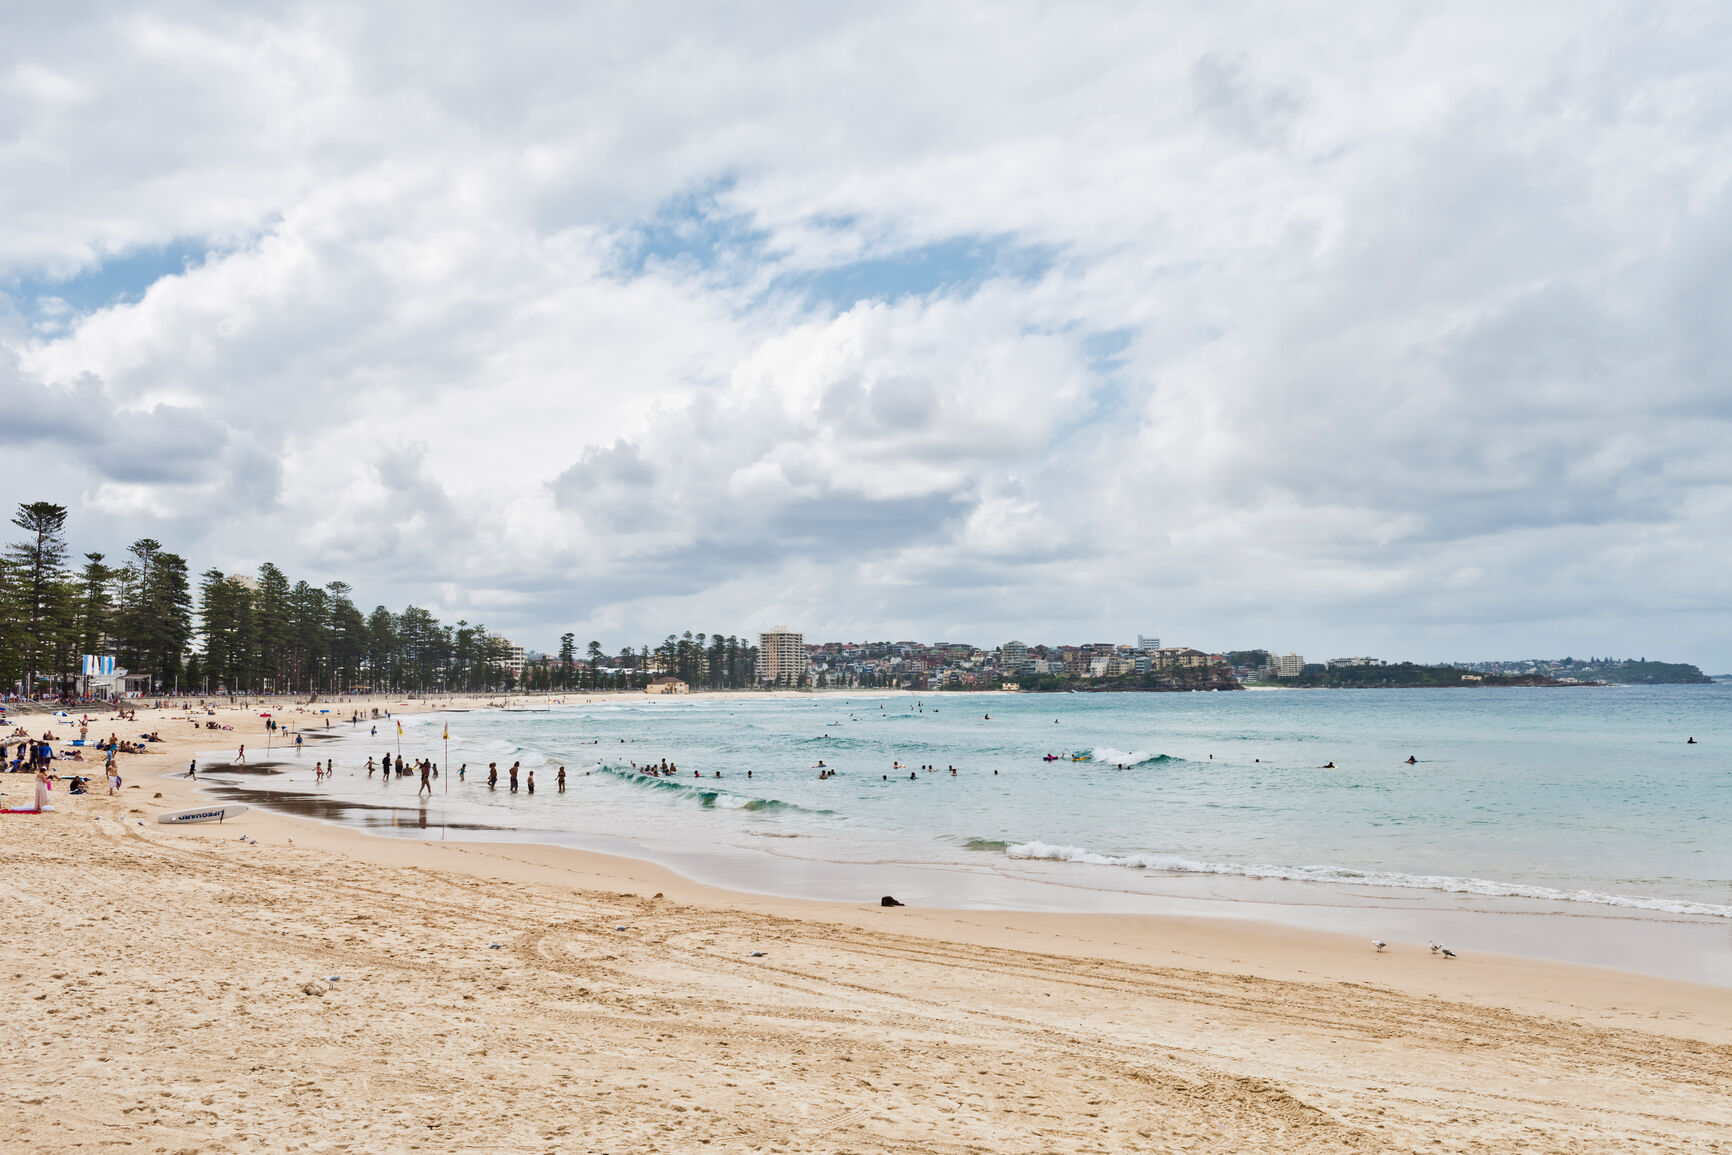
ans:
(1401, 328)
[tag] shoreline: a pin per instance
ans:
(276, 982)
(1653, 942)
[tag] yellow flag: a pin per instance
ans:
(399, 729)
(448, 731)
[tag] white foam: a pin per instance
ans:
(1339, 874)
(1120, 757)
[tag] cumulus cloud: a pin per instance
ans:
(1248, 327)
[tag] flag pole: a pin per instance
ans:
(447, 773)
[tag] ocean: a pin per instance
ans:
(1581, 804)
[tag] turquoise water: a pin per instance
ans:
(1571, 798)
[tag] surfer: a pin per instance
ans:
(1328, 765)
(1412, 761)
(1691, 742)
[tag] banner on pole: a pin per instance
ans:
(97, 666)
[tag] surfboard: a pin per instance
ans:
(203, 814)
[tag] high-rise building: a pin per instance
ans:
(1289, 666)
(1012, 656)
(781, 657)
(1146, 643)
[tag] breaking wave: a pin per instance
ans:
(705, 795)
(1133, 758)
(1338, 874)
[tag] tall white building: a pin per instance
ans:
(1289, 666)
(781, 657)
(1146, 643)
(512, 657)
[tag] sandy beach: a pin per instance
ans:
(279, 984)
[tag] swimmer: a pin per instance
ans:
(1412, 761)
(1328, 765)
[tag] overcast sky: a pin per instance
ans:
(1371, 328)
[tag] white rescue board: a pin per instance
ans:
(203, 814)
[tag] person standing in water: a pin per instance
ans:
(561, 780)
(426, 778)
(492, 775)
(514, 766)
(532, 782)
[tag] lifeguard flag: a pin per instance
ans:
(448, 731)
(399, 729)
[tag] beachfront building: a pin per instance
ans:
(667, 686)
(1289, 666)
(512, 657)
(781, 657)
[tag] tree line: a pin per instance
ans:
(271, 634)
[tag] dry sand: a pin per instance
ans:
(156, 983)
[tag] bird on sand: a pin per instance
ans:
(1434, 947)
(1445, 952)
(1379, 944)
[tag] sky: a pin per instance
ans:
(1395, 329)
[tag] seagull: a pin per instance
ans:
(1434, 946)
(1379, 944)
(1445, 952)
(619, 928)
(755, 954)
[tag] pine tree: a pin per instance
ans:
(39, 562)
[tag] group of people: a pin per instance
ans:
(665, 770)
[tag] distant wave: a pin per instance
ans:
(1133, 758)
(710, 798)
(1338, 874)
